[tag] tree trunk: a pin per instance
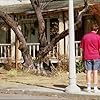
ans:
(41, 23)
(41, 31)
(14, 25)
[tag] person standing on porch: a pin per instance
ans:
(90, 45)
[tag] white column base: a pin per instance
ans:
(73, 88)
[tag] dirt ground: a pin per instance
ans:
(60, 79)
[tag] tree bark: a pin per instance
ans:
(41, 23)
(14, 25)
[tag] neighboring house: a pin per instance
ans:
(55, 13)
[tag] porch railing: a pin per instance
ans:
(77, 50)
(33, 49)
(5, 51)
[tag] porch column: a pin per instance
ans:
(48, 30)
(12, 45)
(18, 52)
(13, 48)
(61, 29)
(72, 87)
(66, 39)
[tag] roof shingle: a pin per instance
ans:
(55, 4)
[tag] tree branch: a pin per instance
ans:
(60, 36)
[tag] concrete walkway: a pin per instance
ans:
(47, 91)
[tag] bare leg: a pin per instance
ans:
(95, 77)
(95, 80)
(88, 79)
(88, 76)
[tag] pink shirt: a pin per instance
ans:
(90, 45)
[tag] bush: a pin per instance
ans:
(12, 73)
(63, 64)
(79, 66)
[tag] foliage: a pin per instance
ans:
(95, 9)
(79, 66)
(63, 64)
(12, 73)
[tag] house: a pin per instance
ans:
(55, 13)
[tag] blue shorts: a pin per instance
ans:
(92, 64)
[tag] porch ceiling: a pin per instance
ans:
(51, 6)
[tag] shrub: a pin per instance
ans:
(79, 66)
(12, 73)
